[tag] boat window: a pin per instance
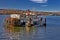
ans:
(9, 22)
(35, 23)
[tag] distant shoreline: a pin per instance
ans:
(10, 11)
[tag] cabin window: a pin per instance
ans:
(15, 22)
(9, 22)
(35, 23)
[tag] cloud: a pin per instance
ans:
(39, 1)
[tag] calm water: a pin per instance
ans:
(50, 32)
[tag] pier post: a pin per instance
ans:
(44, 22)
(41, 21)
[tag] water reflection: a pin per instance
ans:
(49, 32)
(24, 33)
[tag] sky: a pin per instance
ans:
(35, 5)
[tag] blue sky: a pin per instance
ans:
(37, 5)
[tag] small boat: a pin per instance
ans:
(14, 20)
